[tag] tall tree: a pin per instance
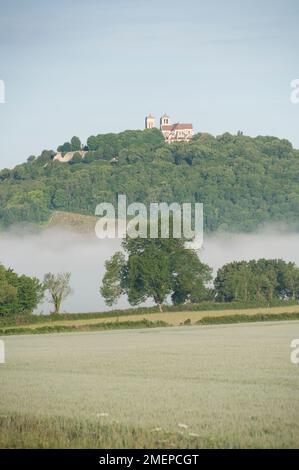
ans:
(58, 286)
(154, 269)
(290, 280)
(76, 144)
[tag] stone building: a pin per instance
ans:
(178, 132)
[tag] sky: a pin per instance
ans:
(86, 67)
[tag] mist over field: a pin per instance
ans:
(56, 250)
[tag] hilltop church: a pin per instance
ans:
(177, 132)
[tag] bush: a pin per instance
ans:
(18, 294)
(89, 327)
(247, 318)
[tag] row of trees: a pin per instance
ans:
(157, 269)
(20, 294)
(242, 181)
(257, 280)
(73, 146)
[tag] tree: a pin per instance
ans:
(76, 144)
(257, 280)
(59, 288)
(190, 279)
(8, 294)
(148, 275)
(77, 158)
(66, 147)
(92, 142)
(153, 269)
(5, 174)
(111, 288)
(18, 294)
(26, 206)
(242, 181)
(30, 293)
(89, 157)
(290, 281)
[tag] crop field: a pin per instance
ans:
(195, 386)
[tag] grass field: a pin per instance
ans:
(207, 386)
(174, 318)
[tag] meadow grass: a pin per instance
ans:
(205, 306)
(228, 386)
(90, 326)
(67, 322)
(31, 432)
(69, 327)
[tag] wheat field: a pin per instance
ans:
(198, 386)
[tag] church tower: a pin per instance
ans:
(164, 121)
(149, 121)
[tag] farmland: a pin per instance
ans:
(195, 386)
(172, 318)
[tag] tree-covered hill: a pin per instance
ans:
(242, 181)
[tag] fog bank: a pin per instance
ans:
(58, 250)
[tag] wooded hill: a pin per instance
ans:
(243, 181)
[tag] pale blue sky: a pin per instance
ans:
(84, 67)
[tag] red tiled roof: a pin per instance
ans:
(177, 126)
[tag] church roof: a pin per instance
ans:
(177, 126)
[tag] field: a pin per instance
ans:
(76, 223)
(195, 386)
(173, 318)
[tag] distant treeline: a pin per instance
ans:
(242, 181)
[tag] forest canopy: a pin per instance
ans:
(243, 182)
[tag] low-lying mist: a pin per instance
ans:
(57, 250)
